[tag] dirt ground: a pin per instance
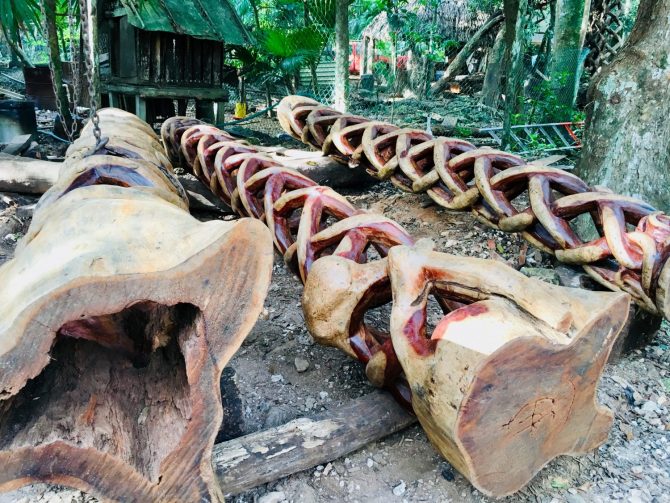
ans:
(282, 374)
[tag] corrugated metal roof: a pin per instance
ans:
(208, 19)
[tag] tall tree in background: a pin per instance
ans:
(341, 55)
(570, 27)
(627, 137)
(516, 18)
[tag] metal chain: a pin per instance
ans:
(89, 58)
(74, 61)
(59, 104)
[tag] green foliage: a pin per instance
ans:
(23, 19)
(292, 49)
(20, 16)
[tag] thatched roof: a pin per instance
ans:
(456, 20)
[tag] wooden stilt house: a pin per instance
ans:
(158, 52)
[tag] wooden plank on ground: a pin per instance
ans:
(18, 144)
(268, 455)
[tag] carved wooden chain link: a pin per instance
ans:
(306, 220)
(496, 322)
(632, 246)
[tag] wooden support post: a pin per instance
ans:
(268, 455)
(182, 105)
(220, 112)
(141, 107)
(114, 101)
(204, 110)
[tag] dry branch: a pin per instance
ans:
(117, 315)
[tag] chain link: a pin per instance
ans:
(89, 58)
(52, 69)
(74, 61)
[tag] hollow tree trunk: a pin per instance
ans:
(461, 58)
(492, 79)
(341, 55)
(49, 9)
(627, 137)
(117, 316)
(570, 27)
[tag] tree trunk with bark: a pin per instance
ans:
(492, 79)
(341, 55)
(515, 42)
(570, 27)
(461, 59)
(627, 137)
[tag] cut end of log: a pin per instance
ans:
(117, 316)
(507, 380)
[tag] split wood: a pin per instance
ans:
(507, 379)
(117, 316)
(631, 246)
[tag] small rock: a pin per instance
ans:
(323, 395)
(305, 494)
(543, 274)
(310, 402)
(277, 378)
(649, 406)
(447, 472)
(370, 463)
(399, 490)
(11, 238)
(273, 497)
(278, 415)
(301, 364)
(327, 469)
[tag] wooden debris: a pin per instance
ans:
(268, 455)
(18, 145)
(117, 316)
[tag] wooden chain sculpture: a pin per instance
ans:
(605, 35)
(506, 380)
(630, 252)
(117, 315)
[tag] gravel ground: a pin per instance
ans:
(282, 374)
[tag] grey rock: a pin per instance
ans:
(278, 415)
(301, 365)
(543, 274)
(399, 490)
(273, 497)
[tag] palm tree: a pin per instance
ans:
(17, 16)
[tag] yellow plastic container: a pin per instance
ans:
(240, 110)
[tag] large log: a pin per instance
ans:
(117, 316)
(506, 381)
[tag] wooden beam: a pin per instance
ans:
(268, 455)
(202, 93)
